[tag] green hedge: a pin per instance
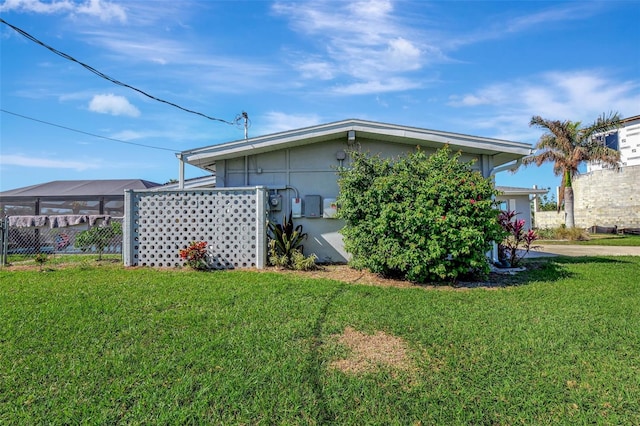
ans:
(421, 217)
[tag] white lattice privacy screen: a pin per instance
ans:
(158, 224)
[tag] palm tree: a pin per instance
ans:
(567, 145)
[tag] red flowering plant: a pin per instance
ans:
(518, 242)
(195, 255)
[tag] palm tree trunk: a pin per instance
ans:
(569, 220)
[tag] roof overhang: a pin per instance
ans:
(513, 191)
(208, 181)
(77, 189)
(502, 151)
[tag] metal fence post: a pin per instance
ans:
(4, 240)
(127, 229)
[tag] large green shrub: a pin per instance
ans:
(421, 217)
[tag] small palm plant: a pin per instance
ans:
(285, 245)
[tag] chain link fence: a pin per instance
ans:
(24, 237)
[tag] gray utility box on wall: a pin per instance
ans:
(312, 206)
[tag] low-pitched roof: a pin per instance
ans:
(208, 181)
(513, 190)
(79, 188)
(502, 151)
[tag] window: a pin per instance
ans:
(611, 141)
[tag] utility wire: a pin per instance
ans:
(86, 133)
(106, 77)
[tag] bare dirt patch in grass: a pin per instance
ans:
(350, 275)
(369, 352)
(347, 274)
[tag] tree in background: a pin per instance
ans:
(420, 217)
(548, 203)
(98, 238)
(567, 145)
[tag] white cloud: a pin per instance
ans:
(571, 95)
(129, 135)
(104, 10)
(377, 86)
(491, 95)
(24, 161)
(557, 13)
(371, 8)
(364, 41)
(403, 54)
(37, 6)
(280, 122)
(316, 70)
(505, 26)
(113, 104)
(183, 61)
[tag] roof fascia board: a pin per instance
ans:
(505, 192)
(382, 131)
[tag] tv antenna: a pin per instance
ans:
(242, 121)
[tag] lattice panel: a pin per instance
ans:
(163, 223)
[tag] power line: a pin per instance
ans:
(86, 133)
(106, 77)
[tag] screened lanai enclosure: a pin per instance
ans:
(66, 197)
(70, 216)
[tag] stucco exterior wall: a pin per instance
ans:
(311, 170)
(518, 203)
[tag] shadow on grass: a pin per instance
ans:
(549, 269)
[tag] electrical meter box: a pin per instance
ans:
(296, 207)
(275, 202)
(312, 206)
(329, 208)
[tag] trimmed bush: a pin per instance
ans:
(420, 217)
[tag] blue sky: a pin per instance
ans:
(474, 67)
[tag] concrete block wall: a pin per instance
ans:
(549, 220)
(602, 197)
(608, 198)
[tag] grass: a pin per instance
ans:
(599, 240)
(53, 260)
(96, 343)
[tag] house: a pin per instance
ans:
(519, 200)
(298, 168)
(89, 197)
(606, 197)
(626, 140)
(36, 215)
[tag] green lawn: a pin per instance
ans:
(600, 240)
(105, 345)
